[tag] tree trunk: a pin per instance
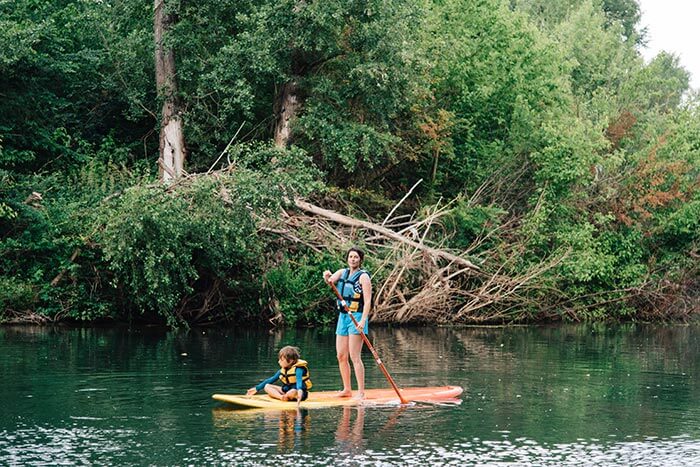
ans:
(345, 220)
(172, 138)
(286, 106)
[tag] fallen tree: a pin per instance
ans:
(419, 281)
(349, 221)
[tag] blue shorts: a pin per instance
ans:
(345, 325)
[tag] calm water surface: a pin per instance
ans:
(566, 395)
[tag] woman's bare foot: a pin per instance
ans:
(344, 393)
(359, 396)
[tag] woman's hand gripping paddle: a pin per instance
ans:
(369, 345)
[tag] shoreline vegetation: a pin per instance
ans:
(505, 162)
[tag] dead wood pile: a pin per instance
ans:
(418, 278)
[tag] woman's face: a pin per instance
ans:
(354, 260)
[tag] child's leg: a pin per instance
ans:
(274, 391)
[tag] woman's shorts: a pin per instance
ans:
(345, 325)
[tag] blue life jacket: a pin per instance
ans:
(351, 291)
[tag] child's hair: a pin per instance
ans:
(290, 353)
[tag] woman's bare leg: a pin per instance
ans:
(355, 349)
(342, 351)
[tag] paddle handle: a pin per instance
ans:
(369, 345)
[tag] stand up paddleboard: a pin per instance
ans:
(437, 394)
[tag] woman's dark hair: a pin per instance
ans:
(359, 252)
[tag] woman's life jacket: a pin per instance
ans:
(289, 378)
(351, 291)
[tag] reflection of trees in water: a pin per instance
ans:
(643, 346)
(439, 351)
(633, 373)
(671, 347)
(536, 374)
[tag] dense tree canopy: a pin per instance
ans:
(537, 122)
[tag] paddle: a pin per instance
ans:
(369, 345)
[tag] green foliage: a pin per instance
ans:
(159, 243)
(15, 296)
(544, 111)
(609, 259)
(52, 66)
(49, 243)
(357, 66)
(469, 222)
(6, 212)
(623, 14)
(268, 175)
(360, 114)
(595, 53)
(682, 227)
(295, 289)
(659, 86)
(501, 85)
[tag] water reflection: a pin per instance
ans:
(293, 430)
(350, 437)
(290, 427)
(293, 426)
(565, 395)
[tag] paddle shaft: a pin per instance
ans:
(369, 345)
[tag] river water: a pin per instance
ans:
(545, 396)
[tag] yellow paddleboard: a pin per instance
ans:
(434, 394)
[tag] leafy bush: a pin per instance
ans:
(468, 222)
(159, 243)
(166, 246)
(296, 291)
(15, 296)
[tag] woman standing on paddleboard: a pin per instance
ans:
(355, 286)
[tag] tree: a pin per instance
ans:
(547, 14)
(172, 139)
(503, 81)
(341, 79)
(53, 98)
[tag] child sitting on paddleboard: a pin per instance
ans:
(294, 374)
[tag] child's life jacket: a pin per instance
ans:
(351, 291)
(289, 378)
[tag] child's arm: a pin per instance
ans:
(262, 384)
(299, 373)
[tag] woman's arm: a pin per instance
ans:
(366, 284)
(332, 278)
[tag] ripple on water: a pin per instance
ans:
(677, 452)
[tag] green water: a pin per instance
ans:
(567, 395)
